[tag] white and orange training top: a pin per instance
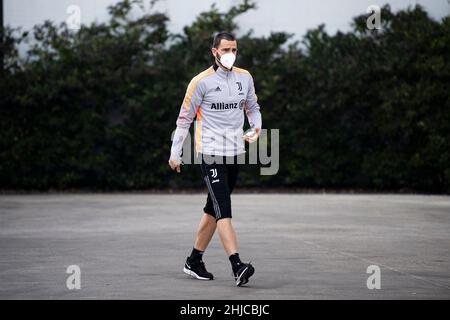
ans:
(217, 100)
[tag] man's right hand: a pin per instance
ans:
(175, 165)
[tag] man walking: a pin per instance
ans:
(217, 98)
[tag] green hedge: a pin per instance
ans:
(95, 108)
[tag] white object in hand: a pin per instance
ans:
(250, 133)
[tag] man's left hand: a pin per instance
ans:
(254, 137)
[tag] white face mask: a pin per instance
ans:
(227, 60)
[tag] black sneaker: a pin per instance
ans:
(197, 269)
(243, 273)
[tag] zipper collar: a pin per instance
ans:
(220, 72)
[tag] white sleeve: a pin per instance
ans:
(177, 143)
(188, 111)
(252, 106)
(191, 102)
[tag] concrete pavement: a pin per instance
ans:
(303, 246)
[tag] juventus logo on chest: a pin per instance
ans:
(239, 85)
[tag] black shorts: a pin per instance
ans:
(220, 178)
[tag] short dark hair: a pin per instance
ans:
(222, 35)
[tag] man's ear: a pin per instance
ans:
(213, 51)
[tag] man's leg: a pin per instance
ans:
(194, 265)
(220, 180)
(224, 226)
(227, 235)
(242, 271)
(205, 231)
